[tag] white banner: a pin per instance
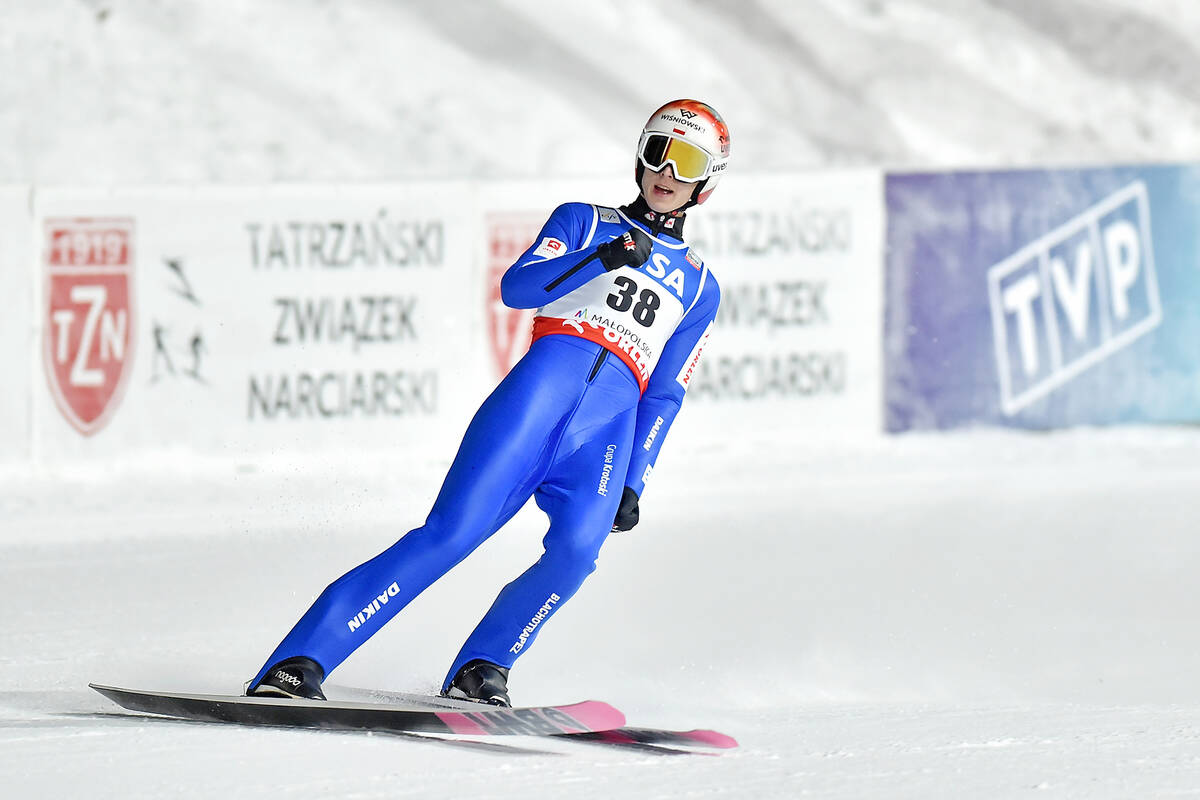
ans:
(245, 321)
(796, 346)
(16, 332)
(249, 322)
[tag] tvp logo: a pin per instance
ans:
(1073, 298)
(89, 317)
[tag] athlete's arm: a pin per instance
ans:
(564, 258)
(665, 391)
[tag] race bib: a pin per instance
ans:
(626, 310)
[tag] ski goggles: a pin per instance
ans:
(689, 162)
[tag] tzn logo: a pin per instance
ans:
(89, 321)
(1073, 297)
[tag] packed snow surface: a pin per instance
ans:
(979, 615)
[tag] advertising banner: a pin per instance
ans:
(16, 326)
(796, 346)
(255, 321)
(246, 321)
(1043, 298)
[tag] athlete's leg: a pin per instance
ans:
(503, 456)
(580, 495)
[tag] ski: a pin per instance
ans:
(620, 735)
(693, 738)
(587, 717)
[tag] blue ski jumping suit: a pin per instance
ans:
(581, 416)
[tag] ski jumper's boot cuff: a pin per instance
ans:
(481, 682)
(297, 678)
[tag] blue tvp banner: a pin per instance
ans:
(1042, 298)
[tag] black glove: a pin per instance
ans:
(627, 512)
(630, 249)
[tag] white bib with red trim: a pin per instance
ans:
(632, 312)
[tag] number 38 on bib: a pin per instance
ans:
(632, 312)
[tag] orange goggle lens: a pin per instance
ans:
(688, 161)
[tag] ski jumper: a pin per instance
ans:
(583, 414)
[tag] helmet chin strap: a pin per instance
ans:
(695, 198)
(668, 223)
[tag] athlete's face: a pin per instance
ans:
(662, 192)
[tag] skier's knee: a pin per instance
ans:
(580, 555)
(456, 541)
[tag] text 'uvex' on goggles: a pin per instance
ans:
(689, 162)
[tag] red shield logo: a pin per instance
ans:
(88, 341)
(508, 236)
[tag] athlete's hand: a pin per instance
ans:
(630, 249)
(627, 512)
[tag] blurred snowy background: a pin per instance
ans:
(241, 91)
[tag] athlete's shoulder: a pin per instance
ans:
(607, 214)
(693, 256)
(589, 213)
(570, 224)
(585, 212)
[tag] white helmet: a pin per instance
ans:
(692, 138)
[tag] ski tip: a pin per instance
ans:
(596, 715)
(589, 716)
(713, 739)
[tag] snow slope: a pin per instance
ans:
(972, 616)
(136, 91)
